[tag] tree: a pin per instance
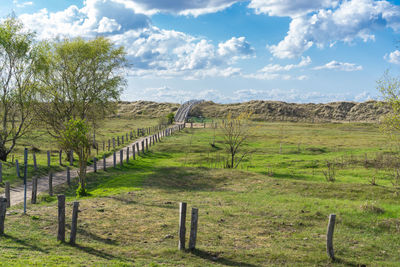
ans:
(236, 131)
(170, 117)
(80, 79)
(389, 87)
(76, 137)
(18, 83)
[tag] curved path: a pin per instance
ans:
(184, 110)
(17, 192)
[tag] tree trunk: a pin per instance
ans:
(3, 153)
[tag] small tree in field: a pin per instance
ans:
(236, 131)
(76, 137)
(170, 118)
(390, 89)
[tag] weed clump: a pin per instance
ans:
(372, 207)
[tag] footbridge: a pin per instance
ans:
(184, 109)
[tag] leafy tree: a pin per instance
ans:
(170, 117)
(18, 83)
(76, 137)
(389, 87)
(236, 131)
(80, 79)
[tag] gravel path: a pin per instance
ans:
(17, 192)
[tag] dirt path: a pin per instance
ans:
(17, 192)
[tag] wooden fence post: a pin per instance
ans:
(143, 146)
(68, 176)
(329, 236)
(1, 172)
(34, 190)
(193, 228)
(114, 159)
(108, 147)
(71, 158)
(3, 209)
(137, 148)
(182, 226)
(51, 184)
(113, 140)
(117, 140)
(7, 194)
(127, 154)
(133, 152)
(61, 218)
(95, 164)
(104, 163)
(147, 145)
(74, 223)
(121, 157)
(48, 158)
(60, 157)
(17, 168)
(34, 161)
(104, 145)
(123, 139)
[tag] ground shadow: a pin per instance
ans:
(24, 243)
(213, 258)
(101, 254)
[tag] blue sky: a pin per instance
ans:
(234, 51)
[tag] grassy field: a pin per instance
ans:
(273, 210)
(42, 142)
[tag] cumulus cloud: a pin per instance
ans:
(343, 66)
(179, 7)
(96, 16)
(273, 71)
(23, 4)
(150, 50)
(290, 8)
(393, 57)
(351, 20)
(153, 51)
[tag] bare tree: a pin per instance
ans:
(236, 131)
(18, 83)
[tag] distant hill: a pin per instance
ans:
(266, 110)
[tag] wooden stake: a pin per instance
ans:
(74, 223)
(7, 194)
(329, 236)
(61, 218)
(182, 225)
(3, 209)
(51, 184)
(193, 229)
(34, 190)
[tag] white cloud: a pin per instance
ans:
(96, 16)
(166, 53)
(290, 8)
(179, 7)
(271, 71)
(393, 57)
(150, 50)
(352, 20)
(23, 4)
(343, 66)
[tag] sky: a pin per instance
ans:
(231, 51)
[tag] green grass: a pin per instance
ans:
(41, 140)
(271, 211)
